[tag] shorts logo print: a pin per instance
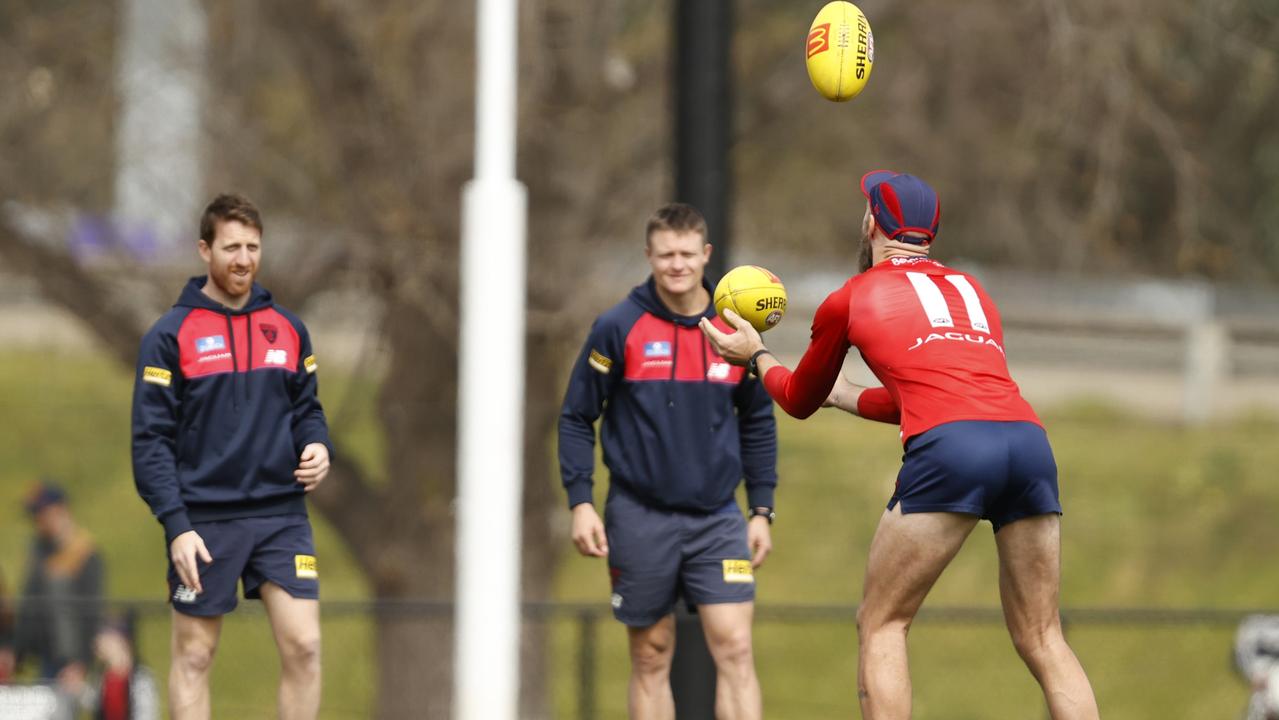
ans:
(306, 567)
(184, 594)
(738, 571)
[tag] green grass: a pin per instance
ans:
(1156, 515)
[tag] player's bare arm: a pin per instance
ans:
(313, 466)
(588, 531)
(844, 395)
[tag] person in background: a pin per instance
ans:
(124, 689)
(7, 659)
(1257, 657)
(61, 598)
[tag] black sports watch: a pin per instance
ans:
(753, 363)
(765, 512)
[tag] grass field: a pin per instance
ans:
(1156, 515)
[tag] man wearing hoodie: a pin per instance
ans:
(681, 428)
(228, 437)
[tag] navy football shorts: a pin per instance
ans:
(277, 548)
(998, 471)
(656, 556)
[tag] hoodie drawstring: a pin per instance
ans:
(248, 365)
(706, 368)
(235, 364)
(670, 387)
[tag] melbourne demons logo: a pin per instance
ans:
(270, 332)
(819, 39)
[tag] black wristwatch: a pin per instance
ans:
(764, 512)
(753, 363)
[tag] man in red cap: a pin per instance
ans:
(974, 448)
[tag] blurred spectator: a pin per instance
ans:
(125, 689)
(1257, 657)
(59, 609)
(7, 659)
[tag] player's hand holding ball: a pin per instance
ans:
(738, 347)
(752, 293)
(751, 300)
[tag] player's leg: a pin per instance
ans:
(197, 618)
(193, 642)
(295, 623)
(907, 555)
(652, 648)
(728, 635)
(717, 576)
(283, 572)
(1029, 581)
(643, 563)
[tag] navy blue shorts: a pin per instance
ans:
(998, 471)
(656, 556)
(277, 548)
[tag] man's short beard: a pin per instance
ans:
(866, 256)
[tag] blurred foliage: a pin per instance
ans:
(1070, 136)
(1135, 136)
(57, 102)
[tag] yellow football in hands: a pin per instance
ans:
(754, 293)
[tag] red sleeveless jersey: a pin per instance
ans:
(929, 333)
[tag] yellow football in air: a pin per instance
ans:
(841, 51)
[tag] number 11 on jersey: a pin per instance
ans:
(934, 303)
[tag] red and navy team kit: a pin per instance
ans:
(224, 403)
(681, 430)
(934, 339)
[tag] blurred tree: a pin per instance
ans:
(1075, 136)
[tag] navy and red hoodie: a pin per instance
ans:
(224, 402)
(681, 426)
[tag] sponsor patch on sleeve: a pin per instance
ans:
(157, 376)
(309, 364)
(306, 567)
(598, 361)
(738, 571)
